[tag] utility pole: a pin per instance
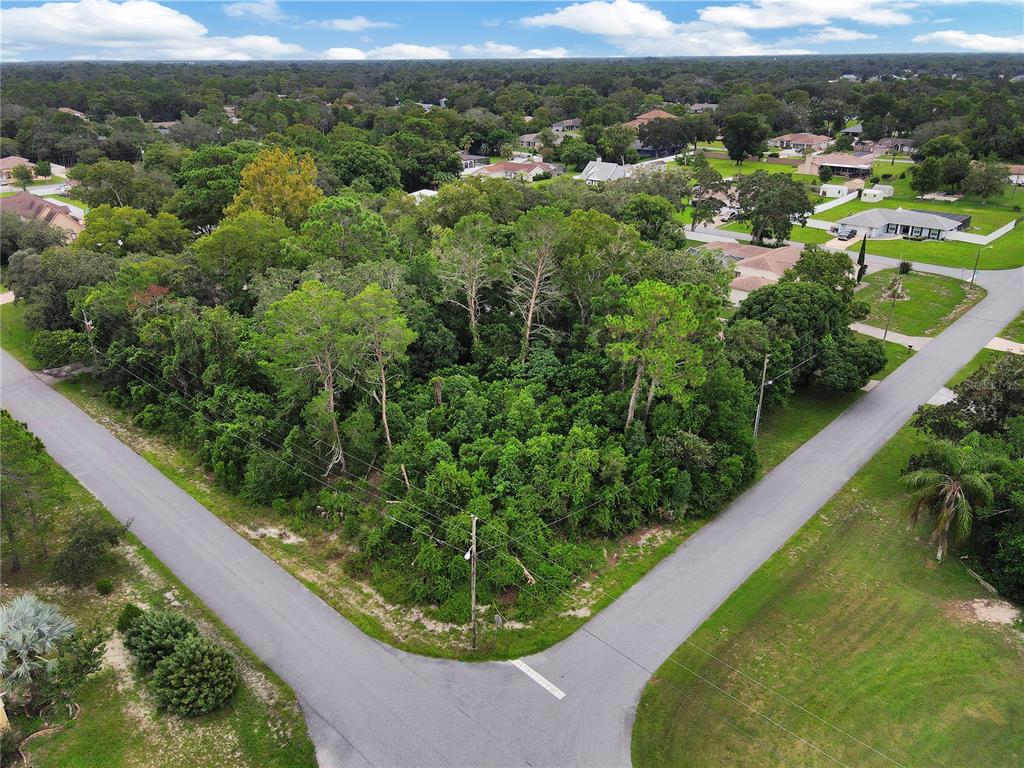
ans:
(977, 260)
(472, 583)
(892, 307)
(760, 397)
(89, 331)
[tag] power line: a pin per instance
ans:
(556, 587)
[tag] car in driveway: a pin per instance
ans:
(845, 233)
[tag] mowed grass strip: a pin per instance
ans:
(933, 301)
(1015, 330)
(1006, 252)
(855, 622)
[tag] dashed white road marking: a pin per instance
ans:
(538, 678)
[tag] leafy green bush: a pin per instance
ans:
(128, 616)
(156, 634)
(104, 586)
(87, 550)
(199, 677)
(54, 348)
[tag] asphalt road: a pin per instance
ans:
(368, 704)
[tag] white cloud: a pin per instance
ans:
(836, 35)
(780, 14)
(944, 20)
(133, 29)
(395, 51)
(492, 50)
(265, 10)
(355, 24)
(974, 42)
(344, 54)
(643, 31)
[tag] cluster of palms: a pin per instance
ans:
(955, 484)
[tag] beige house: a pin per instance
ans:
(28, 206)
(754, 266)
(800, 141)
(8, 164)
(527, 171)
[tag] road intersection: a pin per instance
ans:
(370, 704)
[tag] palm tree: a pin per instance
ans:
(956, 481)
(29, 632)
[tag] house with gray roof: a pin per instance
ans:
(906, 222)
(598, 171)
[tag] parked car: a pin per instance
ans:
(846, 233)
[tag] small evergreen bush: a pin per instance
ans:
(104, 586)
(155, 635)
(129, 614)
(199, 677)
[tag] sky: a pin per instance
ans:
(31, 30)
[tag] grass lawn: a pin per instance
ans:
(728, 168)
(852, 620)
(810, 410)
(933, 302)
(1015, 330)
(14, 337)
(799, 234)
(67, 200)
(119, 725)
(1006, 252)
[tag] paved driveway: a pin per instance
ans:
(368, 704)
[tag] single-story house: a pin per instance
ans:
(906, 222)
(572, 124)
(840, 163)
(854, 130)
(8, 164)
(698, 109)
(877, 193)
(512, 170)
(1016, 175)
(532, 140)
(422, 194)
(754, 266)
(646, 117)
(28, 206)
(75, 112)
(833, 190)
(472, 161)
(800, 141)
(598, 171)
(891, 144)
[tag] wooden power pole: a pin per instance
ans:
(472, 583)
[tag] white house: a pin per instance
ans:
(906, 222)
(422, 194)
(572, 124)
(800, 141)
(1016, 175)
(598, 171)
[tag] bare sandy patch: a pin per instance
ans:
(270, 532)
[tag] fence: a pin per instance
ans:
(968, 237)
(829, 204)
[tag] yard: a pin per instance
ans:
(799, 234)
(119, 725)
(849, 636)
(932, 303)
(728, 168)
(1015, 330)
(1007, 252)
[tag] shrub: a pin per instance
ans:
(128, 616)
(905, 267)
(87, 550)
(199, 677)
(874, 179)
(155, 635)
(333, 551)
(54, 348)
(104, 586)
(903, 175)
